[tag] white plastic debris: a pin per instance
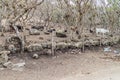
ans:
(18, 66)
(107, 49)
(101, 30)
(116, 51)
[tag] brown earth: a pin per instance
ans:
(91, 65)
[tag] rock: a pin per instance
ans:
(71, 45)
(34, 47)
(12, 48)
(95, 42)
(4, 52)
(46, 45)
(87, 43)
(106, 42)
(115, 39)
(61, 45)
(61, 33)
(41, 28)
(1, 69)
(5, 25)
(15, 66)
(34, 32)
(35, 56)
(78, 45)
(4, 56)
(51, 30)
(2, 47)
(49, 52)
(14, 43)
(46, 32)
(8, 65)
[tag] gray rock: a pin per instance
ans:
(41, 28)
(1, 69)
(34, 32)
(34, 47)
(49, 52)
(71, 45)
(5, 24)
(61, 33)
(46, 45)
(61, 45)
(78, 44)
(46, 32)
(12, 48)
(35, 56)
(4, 56)
(4, 52)
(8, 64)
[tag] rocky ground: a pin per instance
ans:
(91, 65)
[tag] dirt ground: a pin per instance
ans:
(91, 65)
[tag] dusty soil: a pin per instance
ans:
(91, 65)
